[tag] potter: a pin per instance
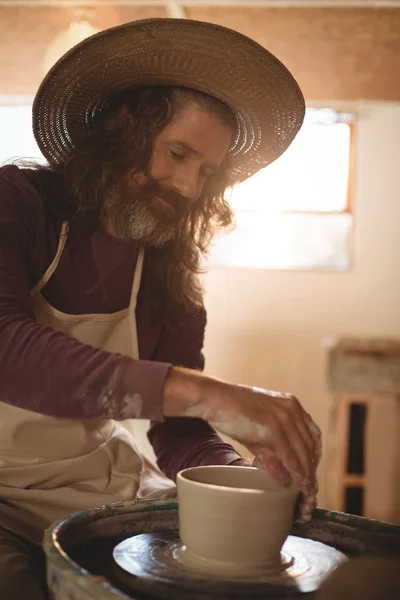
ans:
(102, 317)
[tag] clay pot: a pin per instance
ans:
(233, 520)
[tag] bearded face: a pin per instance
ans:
(145, 214)
(149, 210)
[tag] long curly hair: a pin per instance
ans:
(122, 140)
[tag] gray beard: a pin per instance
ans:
(134, 222)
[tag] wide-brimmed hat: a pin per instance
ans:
(262, 93)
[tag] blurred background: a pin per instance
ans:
(304, 296)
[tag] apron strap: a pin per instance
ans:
(134, 295)
(135, 285)
(49, 272)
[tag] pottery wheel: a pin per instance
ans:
(150, 563)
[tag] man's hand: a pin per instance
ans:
(306, 503)
(273, 425)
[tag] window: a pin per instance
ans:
(16, 136)
(295, 214)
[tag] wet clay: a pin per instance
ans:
(223, 570)
(233, 519)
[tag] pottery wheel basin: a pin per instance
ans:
(81, 564)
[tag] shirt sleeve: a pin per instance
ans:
(180, 443)
(46, 371)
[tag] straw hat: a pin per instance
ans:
(266, 99)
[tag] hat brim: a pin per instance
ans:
(260, 90)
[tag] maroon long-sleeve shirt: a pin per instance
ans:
(47, 372)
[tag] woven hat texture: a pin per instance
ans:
(264, 96)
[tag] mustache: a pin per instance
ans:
(172, 197)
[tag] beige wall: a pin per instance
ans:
(265, 327)
(336, 53)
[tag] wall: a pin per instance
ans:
(266, 327)
(335, 53)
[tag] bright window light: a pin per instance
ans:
(312, 175)
(16, 136)
(294, 213)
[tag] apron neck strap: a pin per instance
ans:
(132, 306)
(136, 281)
(61, 245)
(49, 272)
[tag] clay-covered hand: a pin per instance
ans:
(308, 496)
(273, 425)
(277, 430)
(265, 460)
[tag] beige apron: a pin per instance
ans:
(51, 467)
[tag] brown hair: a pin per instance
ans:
(123, 137)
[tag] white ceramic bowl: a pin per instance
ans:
(233, 520)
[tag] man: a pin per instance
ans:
(101, 314)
